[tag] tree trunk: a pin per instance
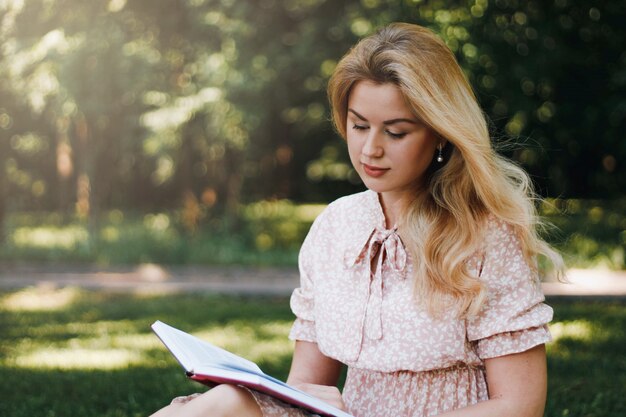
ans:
(233, 159)
(64, 166)
(86, 154)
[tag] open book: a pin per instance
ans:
(210, 365)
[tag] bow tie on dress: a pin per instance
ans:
(388, 246)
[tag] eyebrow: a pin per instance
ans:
(386, 122)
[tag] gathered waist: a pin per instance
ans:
(369, 393)
(458, 369)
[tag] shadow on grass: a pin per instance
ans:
(69, 352)
(586, 361)
(93, 353)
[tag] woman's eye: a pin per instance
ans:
(396, 135)
(359, 127)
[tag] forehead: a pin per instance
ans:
(374, 100)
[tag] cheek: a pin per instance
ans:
(425, 148)
(354, 150)
(419, 157)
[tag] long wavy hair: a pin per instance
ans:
(445, 223)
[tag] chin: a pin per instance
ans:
(372, 186)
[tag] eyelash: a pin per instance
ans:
(396, 135)
(393, 135)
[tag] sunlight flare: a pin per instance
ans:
(70, 358)
(39, 298)
(578, 330)
(262, 343)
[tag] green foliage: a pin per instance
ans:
(72, 352)
(266, 233)
(589, 233)
(128, 103)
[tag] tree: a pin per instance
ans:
(206, 103)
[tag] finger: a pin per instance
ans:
(326, 393)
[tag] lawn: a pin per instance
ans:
(70, 352)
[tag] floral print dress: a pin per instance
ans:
(401, 361)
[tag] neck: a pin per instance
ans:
(392, 208)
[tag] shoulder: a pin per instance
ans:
(498, 232)
(503, 258)
(352, 201)
(352, 208)
(502, 239)
(495, 235)
(345, 221)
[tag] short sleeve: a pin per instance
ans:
(513, 318)
(302, 299)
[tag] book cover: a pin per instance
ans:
(211, 365)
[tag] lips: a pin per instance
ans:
(374, 171)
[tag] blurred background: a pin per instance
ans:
(197, 131)
(194, 135)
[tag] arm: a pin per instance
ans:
(517, 386)
(314, 373)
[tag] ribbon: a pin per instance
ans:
(384, 246)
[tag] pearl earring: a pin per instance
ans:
(440, 156)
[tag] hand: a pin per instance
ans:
(326, 393)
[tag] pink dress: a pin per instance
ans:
(401, 361)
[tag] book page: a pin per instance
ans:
(192, 352)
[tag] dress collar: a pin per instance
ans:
(372, 231)
(374, 239)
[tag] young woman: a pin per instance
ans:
(425, 285)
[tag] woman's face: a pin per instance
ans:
(389, 147)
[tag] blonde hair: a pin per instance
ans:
(445, 224)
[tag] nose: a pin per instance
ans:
(373, 146)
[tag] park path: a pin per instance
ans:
(150, 278)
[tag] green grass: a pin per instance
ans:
(587, 365)
(589, 234)
(70, 352)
